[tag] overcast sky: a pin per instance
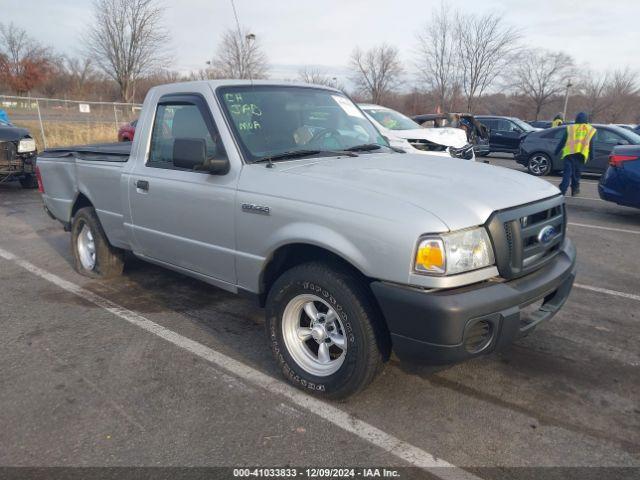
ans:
(603, 34)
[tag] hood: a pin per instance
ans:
(9, 133)
(449, 137)
(460, 193)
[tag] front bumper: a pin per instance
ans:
(19, 164)
(438, 327)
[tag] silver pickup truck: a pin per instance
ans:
(287, 192)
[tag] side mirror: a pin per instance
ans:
(189, 153)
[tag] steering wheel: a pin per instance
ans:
(327, 133)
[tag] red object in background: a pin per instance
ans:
(127, 131)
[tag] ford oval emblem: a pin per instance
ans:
(546, 234)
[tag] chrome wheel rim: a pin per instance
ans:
(314, 335)
(539, 164)
(86, 248)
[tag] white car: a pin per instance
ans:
(410, 137)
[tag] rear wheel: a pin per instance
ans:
(324, 330)
(93, 255)
(28, 181)
(539, 164)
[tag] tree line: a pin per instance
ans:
(460, 62)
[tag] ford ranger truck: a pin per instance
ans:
(290, 194)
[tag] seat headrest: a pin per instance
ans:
(188, 123)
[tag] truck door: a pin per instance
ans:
(184, 217)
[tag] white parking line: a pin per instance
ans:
(585, 198)
(402, 450)
(606, 291)
(599, 227)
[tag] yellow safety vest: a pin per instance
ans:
(579, 136)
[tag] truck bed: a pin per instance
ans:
(105, 152)
(91, 171)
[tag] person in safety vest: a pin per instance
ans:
(557, 121)
(575, 146)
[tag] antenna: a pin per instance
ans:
(247, 40)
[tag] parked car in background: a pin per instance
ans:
(127, 131)
(537, 150)
(17, 155)
(541, 124)
(628, 126)
(621, 181)
(477, 133)
(505, 133)
(408, 136)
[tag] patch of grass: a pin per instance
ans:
(62, 134)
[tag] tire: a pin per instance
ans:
(87, 236)
(539, 164)
(355, 319)
(28, 181)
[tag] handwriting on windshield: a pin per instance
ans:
(244, 113)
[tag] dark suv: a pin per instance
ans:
(505, 133)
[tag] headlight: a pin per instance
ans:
(454, 252)
(27, 145)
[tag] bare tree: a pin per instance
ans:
(484, 47)
(24, 63)
(315, 76)
(127, 41)
(239, 55)
(435, 55)
(621, 94)
(376, 71)
(594, 86)
(540, 75)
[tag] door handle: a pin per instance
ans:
(142, 185)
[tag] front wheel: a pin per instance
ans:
(324, 330)
(93, 255)
(539, 164)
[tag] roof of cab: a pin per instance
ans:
(231, 83)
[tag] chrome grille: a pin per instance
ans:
(527, 237)
(8, 158)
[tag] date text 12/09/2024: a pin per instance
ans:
(317, 472)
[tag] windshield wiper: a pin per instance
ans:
(300, 154)
(365, 147)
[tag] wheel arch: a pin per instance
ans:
(81, 201)
(289, 255)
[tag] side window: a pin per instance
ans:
(503, 125)
(490, 123)
(607, 136)
(181, 120)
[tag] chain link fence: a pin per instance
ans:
(57, 122)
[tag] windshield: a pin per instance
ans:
(391, 119)
(523, 125)
(275, 120)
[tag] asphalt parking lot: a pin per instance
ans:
(157, 369)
